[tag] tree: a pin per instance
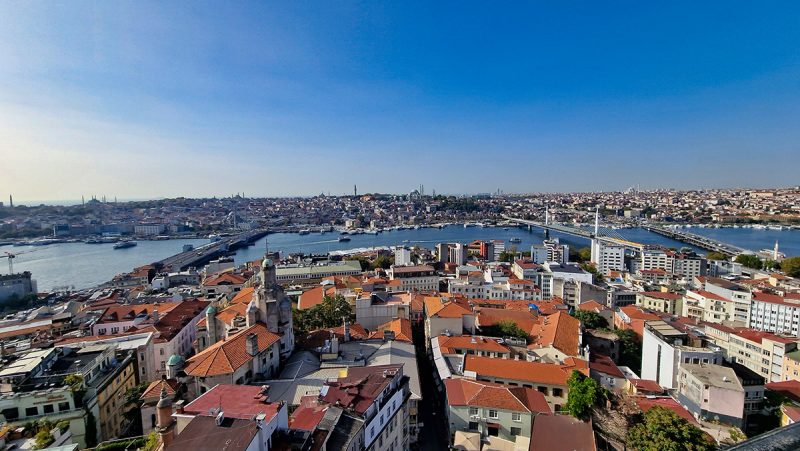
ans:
(631, 355)
(383, 261)
(592, 269)
(716, 256)
(791, 266)
(507, 256)
(584, 254)
(584, 393)
(505, 328)
(328, 313)
(43, 439)
(590, 319)
(663, 430)
(133, 405)
(751, 261)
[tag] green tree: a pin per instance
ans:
(663, 430)
(716, 256)
(382, 261)
(507, 256)
(791, 266)
(590, 268)
(590, 319)
(751, 261)
(584, 254)
(505, 328)
(584, 393)
(631, 354)
(328, 313)
(43, 439)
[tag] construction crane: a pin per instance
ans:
(11, 256)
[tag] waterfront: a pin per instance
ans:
(88, 265)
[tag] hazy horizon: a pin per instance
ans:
(151, 100)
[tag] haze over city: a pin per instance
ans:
(148, 100)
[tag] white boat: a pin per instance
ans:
(124, 244)
(304, 232)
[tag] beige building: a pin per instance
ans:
(762, 352)
(660, 301)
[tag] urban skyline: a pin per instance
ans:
(154, 99)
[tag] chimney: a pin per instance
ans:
(251, 345)
(155, 315)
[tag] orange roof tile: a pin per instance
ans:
(449, 345)
(401, 328)
(464, 392)
(446, 307)
(226, 356)
(536, 372)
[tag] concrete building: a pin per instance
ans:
(415, 278)
(556, 252)
(402, 256)
(776, 314)
(739, 295)
(608, 257)
(296, 274)
(712, 392)
(374, 309)
(539, 254)
(762, 352)
(709, 307)
(458, 254)
(19, 285)
(660, 301)
(568, 272)
(664, 352)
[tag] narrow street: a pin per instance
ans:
(434, 432)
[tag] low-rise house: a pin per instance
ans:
(492, 409)
(633, 318)
(548, 378)
(448, 316)
(660, 301)
(415, 277)
(374, 309)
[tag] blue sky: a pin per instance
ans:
(139, 99)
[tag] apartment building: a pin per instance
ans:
(608, 257)
(774, 313)
(762, 352)
(664, 351)
(709, 307)
(661, 301)
(415, 278)
(740, 296)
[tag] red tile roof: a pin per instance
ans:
(520, 370)
(449, 345)
(646, 386)
(464, 392)
(226, 356)
(154, 389)
(308, 414)
(561, 433)
(442, 307)
(668, 403)
(362, 385)
(662, 295)
(400, 326)
(790, 389)
(237, 401)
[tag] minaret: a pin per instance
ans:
(164, 421)
(355, 190)
(10, 201)
(546, 215)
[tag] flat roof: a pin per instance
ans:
(714, 375)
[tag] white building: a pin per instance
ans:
(663, 352)
(776, 314)
(402, 256)
(608, 257)
(415, 278)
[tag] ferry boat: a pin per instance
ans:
(344, 238)
(515, 240)
(124, 244)
(304, 232)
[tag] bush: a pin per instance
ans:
(121, 445)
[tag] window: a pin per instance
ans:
(63, 406)
(473, 411)
(516, 431)
(12, 413)
(516, 417)
(49, 408)
(558, 392)
(473, 426)
(492, 414)
(31, 411)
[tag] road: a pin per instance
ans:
(434, 432)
